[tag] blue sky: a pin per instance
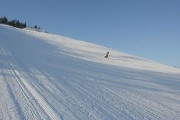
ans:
(145, 28)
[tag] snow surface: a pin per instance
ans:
(46, 76)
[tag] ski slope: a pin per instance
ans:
(51, 77)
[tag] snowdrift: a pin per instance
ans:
(46, 76)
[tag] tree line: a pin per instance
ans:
(15, 23)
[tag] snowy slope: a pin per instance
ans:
(45, 76)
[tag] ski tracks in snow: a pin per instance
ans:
(72, 99)
(17, 85)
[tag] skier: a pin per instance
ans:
(107, 55)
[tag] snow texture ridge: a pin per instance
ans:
(51, 77)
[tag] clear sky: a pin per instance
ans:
(145, 28)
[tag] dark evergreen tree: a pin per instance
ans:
(4, 20)
(35, 27)
(25, 25)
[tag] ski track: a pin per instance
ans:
(26, 88)
(122, 103)
(10, 108)
(76, 89)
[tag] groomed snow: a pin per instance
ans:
(51, 77)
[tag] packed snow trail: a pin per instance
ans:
(45, 76)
